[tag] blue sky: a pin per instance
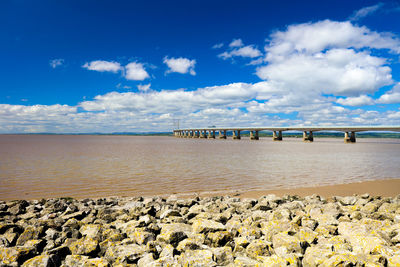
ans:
(113, 66)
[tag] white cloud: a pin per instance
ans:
(54, 63)
(365, 11)
(144, 87)
(247, 51)
(180, 65)
(135, 71)
(361, 100)
(310, 38)
(390, 97)
(216, 46)
(103, 66)
(236, 43)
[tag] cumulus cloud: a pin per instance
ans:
(135, 71)
(180, 65)
(390, 97)
(54, 63)
(314, 72)
(103, 66)
(365, 11)
(216, 46)
(247, 51)
(236, 43)
(144, 87)
(361, 100)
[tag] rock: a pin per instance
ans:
(197, 258)
(15, 254)
(246, 262)
(174, 233)
(146, 261)
(291, 243)
(205, 226)
(127, 254)
(29, 233)
(347, 200)
(219, 238)
(273, 261)
(258, 248)
(42, 261)
(223, 255)
(315, 256)
(84, 246)
(141, 235)
(91, 230)
(393, 261)
(188, 244)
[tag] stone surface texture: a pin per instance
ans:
(208, 231)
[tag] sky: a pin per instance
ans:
(141, 66)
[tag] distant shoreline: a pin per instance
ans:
(244, 134)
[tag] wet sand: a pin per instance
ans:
(385, 188)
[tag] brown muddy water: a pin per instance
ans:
(42, 166)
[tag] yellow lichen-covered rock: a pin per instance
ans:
(219, 238)
(394, 261)
(124, 253)
(314, 256)
(14, 254)
(341, 259)
(291, 243)
(258, 248)
(336, 242)
(196, 258)
(272, 261)
(306, 235)
(84, 246)
(96, 262)
(91, 230)
(29, 233)
(246, 262)
(41, 260)
(326, 230)
(249, 230)
(223, 255)
(188, 244)
(174, 233)
(141, 236)
(270, 228)
(205, 226)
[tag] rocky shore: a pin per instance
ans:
(209, 231)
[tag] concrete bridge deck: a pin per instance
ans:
(349, 131)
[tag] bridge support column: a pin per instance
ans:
(222, 134)
(236, 135)
(254, 135)
(203, 134)
(277, 135)
(308, 137)
(211, 134)
(350, 138)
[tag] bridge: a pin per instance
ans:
(349, 132)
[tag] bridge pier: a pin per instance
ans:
(308, 137)
(203, 134)
(277, 137)
(350, 138)
(222, 134)
(236, 135)
(254, 135)
(211, 134)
